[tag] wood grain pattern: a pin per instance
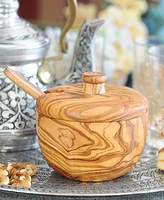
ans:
(94, 82)
(92, 137)
(91, 151)
(24, 84)
(70, 103)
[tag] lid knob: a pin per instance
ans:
(94, 82)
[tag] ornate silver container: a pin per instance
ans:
(22, 47)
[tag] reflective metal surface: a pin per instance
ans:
(22, 47)
(44, 72)
(20, 41)
(82, 60)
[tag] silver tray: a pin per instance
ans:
(143, 178)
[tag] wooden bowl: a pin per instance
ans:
(92, 131)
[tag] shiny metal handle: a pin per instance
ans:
(62, 47)
(72, 4)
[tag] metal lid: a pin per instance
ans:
(92, 101)
(20, 41)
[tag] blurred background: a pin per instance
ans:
(124, 21)
(49, 12)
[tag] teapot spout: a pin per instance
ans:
(82, 60)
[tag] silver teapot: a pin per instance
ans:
(22, 47)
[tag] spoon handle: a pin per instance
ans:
(24, 84)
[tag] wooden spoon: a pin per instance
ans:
(24, 84)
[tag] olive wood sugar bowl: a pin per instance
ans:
(91, 131)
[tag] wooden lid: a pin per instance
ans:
(92, 101)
